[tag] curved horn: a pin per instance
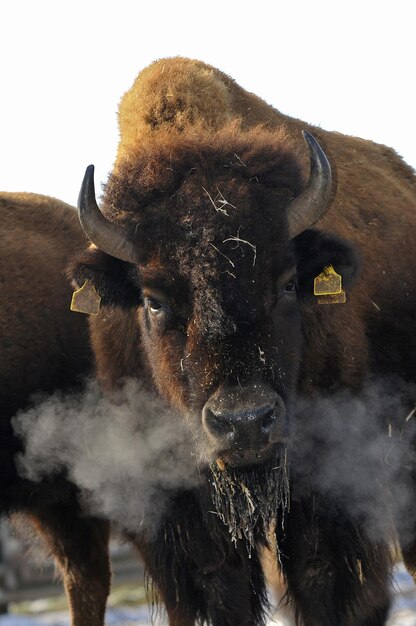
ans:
(106, 235)
(307, 208)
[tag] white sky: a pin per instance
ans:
(346, 65)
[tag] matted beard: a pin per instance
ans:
(249, 500)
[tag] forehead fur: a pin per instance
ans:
(167, 161)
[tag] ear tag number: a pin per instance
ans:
(328, 287)
(86, 300)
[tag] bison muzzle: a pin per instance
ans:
(244, 423)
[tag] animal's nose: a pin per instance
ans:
(244, 418)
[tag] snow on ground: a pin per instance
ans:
(403, 611)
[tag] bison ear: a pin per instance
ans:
(113, 279)
(315, 250)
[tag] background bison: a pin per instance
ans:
(45, 347)
(205, 259)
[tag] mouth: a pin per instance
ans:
(245, 457)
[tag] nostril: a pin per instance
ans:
(216, 424)
(268, 421)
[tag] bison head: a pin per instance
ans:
(203, 257)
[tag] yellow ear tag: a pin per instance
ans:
(328, 287)
(86, 300)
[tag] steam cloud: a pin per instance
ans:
(358, 449)
(128, 457)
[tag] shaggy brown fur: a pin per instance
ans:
(203, 176)
(44, 347)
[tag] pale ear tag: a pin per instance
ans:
(328, 287)
(328, 283)
(86, 300)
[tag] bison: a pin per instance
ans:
(44, 347)
(214, 224)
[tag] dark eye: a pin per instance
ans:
(290, 287)
(153, 306)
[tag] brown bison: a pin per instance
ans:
(45, 347)
(213, 227)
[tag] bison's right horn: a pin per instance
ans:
(106, 235)
(308, 207)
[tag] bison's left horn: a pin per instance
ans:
(308, 207)
(106, 235)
